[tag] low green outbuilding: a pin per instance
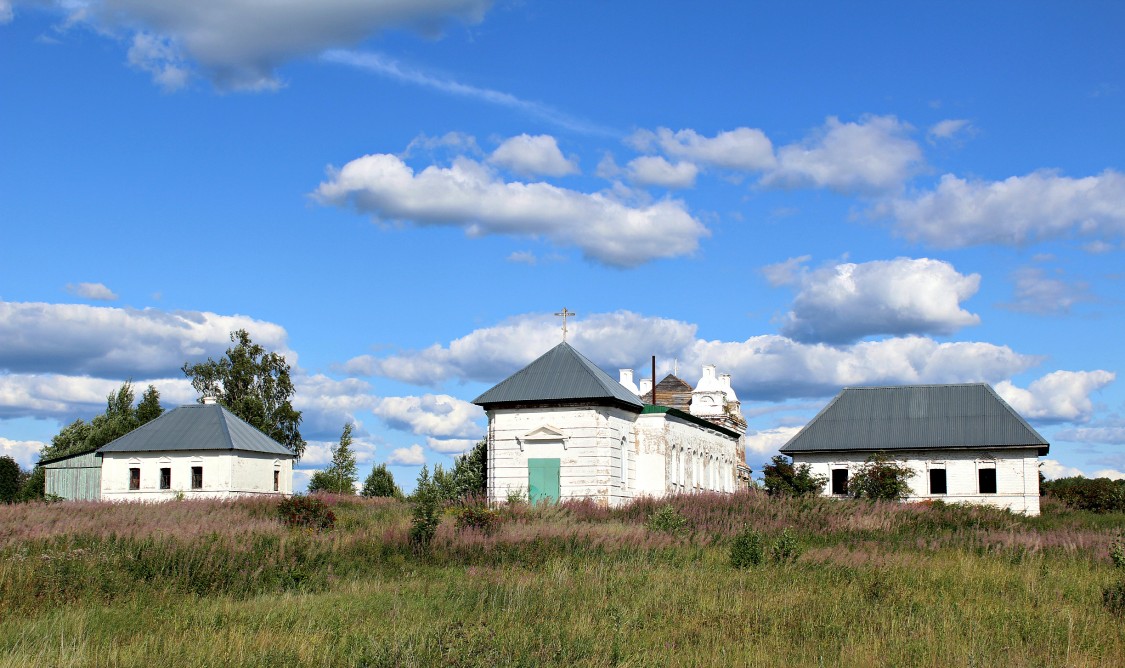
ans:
(74, 477)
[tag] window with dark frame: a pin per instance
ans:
(937, 481)
(134, 478)
(987, 480)
(165, 478)
(197, 477)
(276, 481)
(839, 481)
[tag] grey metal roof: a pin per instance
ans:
(916, 417)
(196, 427)
(559, 375)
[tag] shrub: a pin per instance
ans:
(881, 478)
(1113, 597)
(747, 549)
(784, 479)
(477, 516)
(305, 511)
(1117, 551)
(1099, 495)
(667, 519)
(381, 483)
(786, 549)
(429, 498)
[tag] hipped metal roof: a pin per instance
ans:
(196, 427)
(562, 374)
(916, 417)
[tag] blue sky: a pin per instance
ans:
(398, 195)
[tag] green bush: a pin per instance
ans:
(477, 516)
(1099, 495)
(782, 478)
(1113, 597)
(881, 478)
(306, 512)
(667, 519)
(1117, 551)
(786, 549)
(747, 549)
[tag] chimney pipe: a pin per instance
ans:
(654, 380)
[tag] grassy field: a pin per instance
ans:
(211, 584)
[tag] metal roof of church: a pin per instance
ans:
(916, 417)
(562, 374)
(196, 427)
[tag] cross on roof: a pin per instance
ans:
(565, 314)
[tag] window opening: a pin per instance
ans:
(839, 481)
(165, 478)
(987, 480)
(134, 478)
(197, 477)
(937, 481)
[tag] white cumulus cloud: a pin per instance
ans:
(1058, 396)
(470, 195)
(26, 453)
(1053, 469)
(1016, 211)
(94, 291)
(948, 129)
(1101, 435)
(412, 456)
(533, 156)
(653, 170)
(741, 149)
(848, 301)
(451, 446)
(238, 44)
(768, 441)
(871, 156)
(65, 397)
(1036, 292)
(436, 415)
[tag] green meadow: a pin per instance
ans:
(226, 583)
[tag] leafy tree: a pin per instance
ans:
(881, 478)
(381, 482)
(34, 485)
(10, 478)
(470, 471)
(149, 407)
(254, 385)
(340, 476)
(782, 478)
(1099, 495)
(426, 514)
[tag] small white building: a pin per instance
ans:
(195, 451)
(963, 442)
(561, 428)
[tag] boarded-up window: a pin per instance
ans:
(276, 480)
(839, 481)
(134, 478)
(937, 481)
(197, 477)
(166, 478)
(987, 479)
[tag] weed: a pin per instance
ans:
(747, 549)
(667, 519)
(306, 512)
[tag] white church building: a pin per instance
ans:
(963, 443)
(194, 451)
(561, 428)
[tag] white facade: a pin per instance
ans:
(140, 476)
(607, 454)
(1016, 474)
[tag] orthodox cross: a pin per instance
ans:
(565, 314)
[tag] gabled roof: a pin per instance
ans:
(196, 427)
(916, 417)
(673, 392)
(562, 374)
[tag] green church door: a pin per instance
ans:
(543, 480)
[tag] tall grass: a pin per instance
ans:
(219, 583)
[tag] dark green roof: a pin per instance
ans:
(915, 417)
(196, 427)
(560, 375)
(688, 417)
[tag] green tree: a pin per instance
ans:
(254, 385)
(340, 476)
(10, 478)
(881, 478)
(381, 482)
(149, 407)
(782, 478)
(470, 471)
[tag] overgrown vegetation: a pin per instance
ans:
(836, 582)
(881, 478)
(340, 476)
(1099, 495)
(782, 478)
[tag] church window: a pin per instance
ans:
(624, 464)
(197, 477)
(134, 478)
(839, 481)
(165, 478)
(276, 480)
(987, 480)
(937, 481)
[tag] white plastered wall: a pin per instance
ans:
(1017, 474)
(226, 474)
(675, 456)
